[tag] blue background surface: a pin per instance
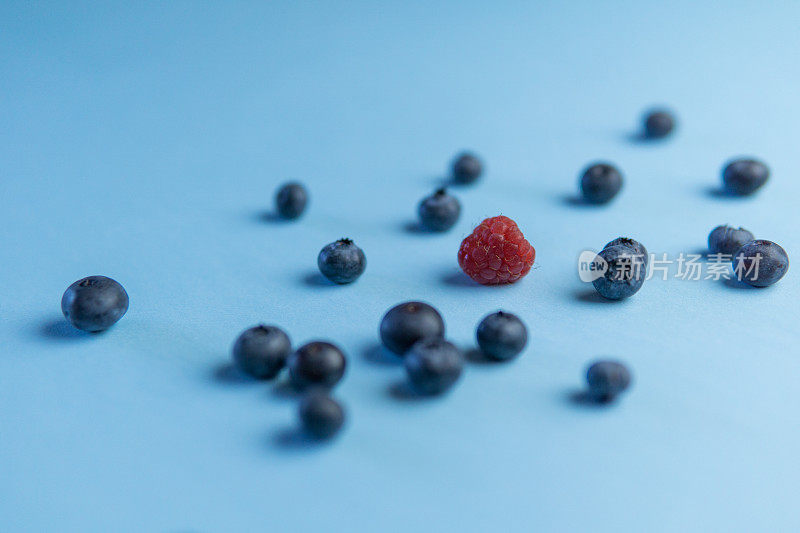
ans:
(145, 143)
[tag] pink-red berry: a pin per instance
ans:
(496, 252)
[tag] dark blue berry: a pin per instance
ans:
(623, 277)
(95, 303)
(502, 335)
(727, 239)
(320, 415)
(406, 323)
(467, 168)
(342, 261)
(607, 379)
(261, 351)
(433, 365)
(658, 123)
(316, 363)
(640, 252)
(743, 177)
(291, 200)
(439, 211)
(760, 263)
(600, 183)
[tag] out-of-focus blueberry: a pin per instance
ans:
(261, 351)
(467, 168)
(433, 365)
(600, 183)
(320, 415)
(743, 177)
(317, 363)
(439, 211)
(502, 335)
(408, 322)
(607, 379)
(291, 200)
(658, 123)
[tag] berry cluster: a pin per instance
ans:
(496, 252)
(415, 331)
(314, 368)
(741, 246)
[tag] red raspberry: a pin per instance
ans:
(496, 252)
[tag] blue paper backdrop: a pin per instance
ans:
(144, 141)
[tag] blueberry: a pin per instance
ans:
(658, 123)
(502, 335)
(261, 351)
(342, 261)
(291, 200)
(640, 252)
(439, 211)
(316, 363)
(624, 275)
(726, 239)
(760, 263)
(95, 303)
(433, 365)
(607, 379)
(467, 168)
(743, 177)
(406, 323)
(600, 183)
(321, 416)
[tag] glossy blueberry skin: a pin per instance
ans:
(291, 200)
(600, 183)
(638, 248)
(502, 336)
(743, 177)
(409, 322)
(320, 415)
(342, 261)
(467, 168)
(261, 351)
(623, 278)
(433, 366)
(317, 363)
(773, 263)
(658, 123)
(439, 211)
(607, 379)
(94, 303)
(727, 240)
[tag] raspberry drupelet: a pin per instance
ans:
(496, 252)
